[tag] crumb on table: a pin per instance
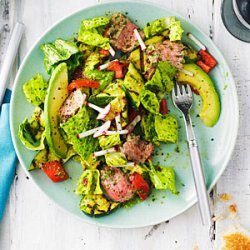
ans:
(225, 197)
(233, 208)
(236, 241)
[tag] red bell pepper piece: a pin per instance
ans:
(104, 52)
(55, 171)
(117, 67)
(207, 58)
(140, 185)
(163, 106)
(83, 83)
(205, 67)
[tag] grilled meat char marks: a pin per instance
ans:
(137, 150)
(116, 184)
(121, 33)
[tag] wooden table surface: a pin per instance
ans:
(34, 222)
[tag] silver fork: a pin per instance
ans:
(182, 99)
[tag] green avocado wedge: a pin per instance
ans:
(200, 81)
(57, 93)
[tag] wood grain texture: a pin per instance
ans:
(33, 222)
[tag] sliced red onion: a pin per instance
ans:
(104, 152)
(196, 41)
(111, 51)
(186, 72)
(104, 112)
(128, 164)
(93, 106)
(139, 39)
(104, 126)
(132, 124)
(120, 132)
(118, 122)
(104, 66)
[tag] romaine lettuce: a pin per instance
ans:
(109, 141)
(160, 128)
(166, 128)
(84, 120)
(89, 183)
(159, 25)
(115, 159)
(35, 90)
(90, 34)
(149, 101)
(94, 23)
(32, 131)
(163, 178)
(162, 81)
(59, 51)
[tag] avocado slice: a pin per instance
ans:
(201, 82)
(57, 93)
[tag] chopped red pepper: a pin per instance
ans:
(140, 185)
(207, 58)
(55, 171)
(104, 52)
(117, 67)
(205, 67)
(83, 83)
(163, 106)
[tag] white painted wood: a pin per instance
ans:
(33, 222)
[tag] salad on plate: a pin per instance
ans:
(105, 106)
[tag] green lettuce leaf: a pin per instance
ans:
(109, 141)
(155, 27)
(89, 183)
(148, 128)
(162, 81)
(149, 101)
(35, 90)
(115, 159)
(163, 178)
(168, 23)
(91, 30)
(166, 128)
(175, 29)
(32, 132)
(58, 51)
(94, 23)
(160, 128)
(84, 120)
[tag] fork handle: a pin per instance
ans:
(199, 182)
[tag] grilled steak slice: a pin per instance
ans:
(121, 33)
(71, 105)
(116, 184)
(137, 150)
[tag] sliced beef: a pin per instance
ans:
(121, 33)
(167, 51)
(71, 105)
(116, 184)
(172, 52)
(137, 150)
